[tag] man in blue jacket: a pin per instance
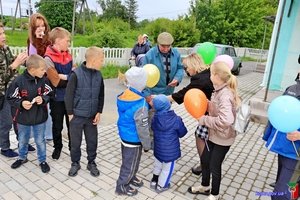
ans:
(168, 61)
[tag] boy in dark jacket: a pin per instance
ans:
(167, 129)
(29, 93)
(133, 130)
(84, 101)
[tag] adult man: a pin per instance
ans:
(168, 61)
(8, 66)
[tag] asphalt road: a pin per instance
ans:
(113, 88)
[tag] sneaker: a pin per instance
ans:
(56, 153)
(129, 191)
(197, 170)
(205, 190)
(30, 148)
(18, 163)
(136, 182)
(9, 153)
(160, 189)
(45, 167)
(92, 167)
(212, 197)
(74, 169)
(153, 185)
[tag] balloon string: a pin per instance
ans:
(295, 148)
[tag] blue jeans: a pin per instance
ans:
(5, 125)
(39, 139)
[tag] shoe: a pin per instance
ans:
(74, 169)
(153, 185)
(197, 170)
(272, 184)
(45, 167)
(212, 197)
(9, 153)
(18, 163)
(129, 191)
(92, 167)
(136, 182)
(199, 190)
(56, 153)
(30, 148)
(160, 189)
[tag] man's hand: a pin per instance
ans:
(96, 120)
(26, 105)
(174, 83)
(293, 136)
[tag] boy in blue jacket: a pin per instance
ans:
(29, 93)
(133, 130)
(167, 129)
(281, 143)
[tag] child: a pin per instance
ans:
(29, 94)
(221, 109)
(281, 143)
(84, 101)
(133, 130)
(59, 66)
(167, 129)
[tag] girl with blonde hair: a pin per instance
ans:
(221, 109)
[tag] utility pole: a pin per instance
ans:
(84, 5)
(2, 18)
(15, 17)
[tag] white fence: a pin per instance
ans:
(120, 56)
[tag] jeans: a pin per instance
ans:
(77, 126)
(131, 157)
(39, 139)
(5, 125)
(211, 162)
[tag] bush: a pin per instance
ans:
(111, 71)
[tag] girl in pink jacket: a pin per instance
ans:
(222, 109)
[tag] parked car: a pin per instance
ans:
(228, 50)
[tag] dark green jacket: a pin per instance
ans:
(6, 73)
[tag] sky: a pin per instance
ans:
(148, 9)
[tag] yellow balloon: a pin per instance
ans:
(152, 75)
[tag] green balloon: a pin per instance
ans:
(208, 52)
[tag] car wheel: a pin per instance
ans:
(237, 71)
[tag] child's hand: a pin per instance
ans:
(293, 136)
(26, 105)
(38, 100)
(63, 76)
(96, 120)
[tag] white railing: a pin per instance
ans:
(120, 56)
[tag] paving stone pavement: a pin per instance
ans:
(247, 170)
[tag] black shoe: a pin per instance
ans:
(18, 163)
(30, 148)
(56, 153)
(9, 153)
(129, 191)
(136, 182)
(92, 167)
(272, 184)
(74, 169)
(197, 170)
(45, 167)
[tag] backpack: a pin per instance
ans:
(242, 118)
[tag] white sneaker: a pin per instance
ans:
(212, 197)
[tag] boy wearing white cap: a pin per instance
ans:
(133, 130)
(167, 128)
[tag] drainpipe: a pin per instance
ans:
(273, 47)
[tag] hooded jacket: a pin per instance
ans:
(276, 141)
(26, 87)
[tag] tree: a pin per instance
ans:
(113, 9)
(58, 14)
(132, 8)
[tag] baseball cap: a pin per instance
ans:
(165, 38)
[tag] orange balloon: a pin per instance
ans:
(195, 102)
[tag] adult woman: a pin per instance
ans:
(200, 79)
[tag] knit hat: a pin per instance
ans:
(161, 103)
(136, 78)
(165, 38)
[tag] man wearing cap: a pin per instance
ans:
(168, 61)
(146, 40)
